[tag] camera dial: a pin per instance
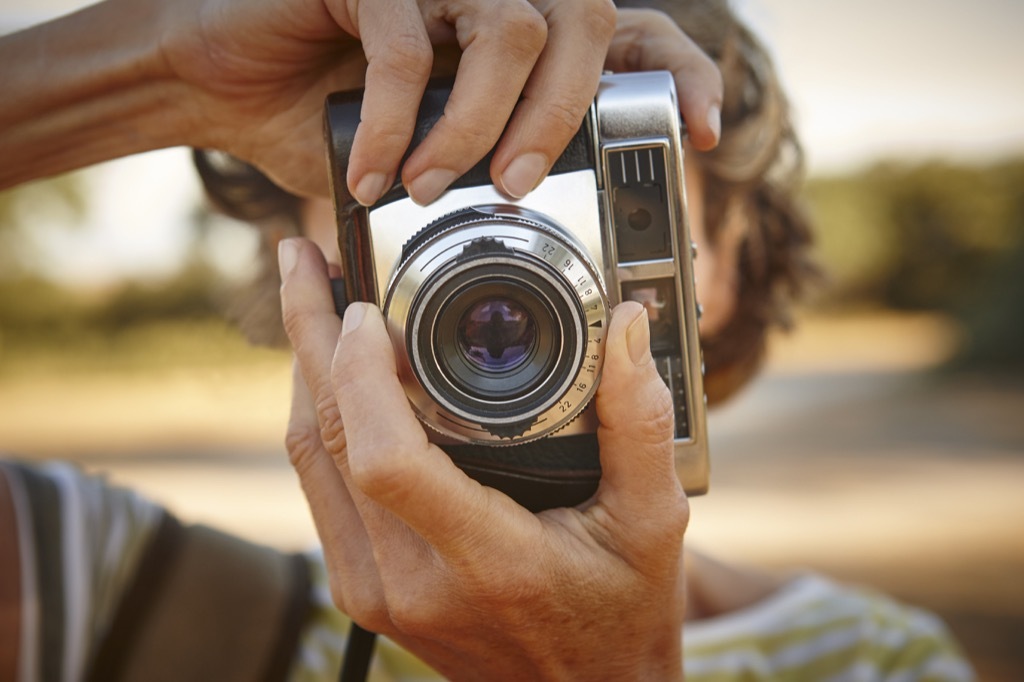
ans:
(497, 316)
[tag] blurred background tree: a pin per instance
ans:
(128, 324)
(932, 237)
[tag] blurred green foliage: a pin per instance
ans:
(918, 237)
(930, 237)
(134, 326)
(49, 329)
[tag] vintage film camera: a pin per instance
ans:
(497, 308)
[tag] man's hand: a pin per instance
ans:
(249, 77)
(456, 572)
(261, 70)
(648, 40)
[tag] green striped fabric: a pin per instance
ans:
(815, 629)
(811, 629)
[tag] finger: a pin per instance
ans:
(647, 40)
(347, 551)
(314, 329)
(399, 57)
(557, 95)
(316, 437)
(496, 38)
(390, 459)
(307, 310)
(635, 411)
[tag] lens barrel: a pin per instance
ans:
(498, 321)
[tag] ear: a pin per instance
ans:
(716, 268)
(720, 293)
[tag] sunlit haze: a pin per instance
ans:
(916, 78)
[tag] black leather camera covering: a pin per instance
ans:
(341, 118)
(557, 471)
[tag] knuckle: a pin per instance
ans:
(655, 422)
(295, 322)
(340, 590)
(337, 587)
(408, 58)
(661, 543)
(332, 429)
(677, 513)
(384, 132)
(302, 443)
(706, 67)
(384, 475)
(411, 614)
(653, 17)
(564, 117)
(600, 17)
(473, 137)
(524, 29)
(367, 608)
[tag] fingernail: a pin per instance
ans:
(523, 174)
(431, 184)
(638, 339)
(370, 188)
(715, 121)
(287, 257)
(353, 318)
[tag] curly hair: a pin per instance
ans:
(756, 170)
(754, 174)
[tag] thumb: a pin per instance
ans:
(635, 411)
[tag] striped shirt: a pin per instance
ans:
(81, 542)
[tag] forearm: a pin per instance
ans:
(86, 88)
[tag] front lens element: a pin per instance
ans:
(497, 334)
(497, 321)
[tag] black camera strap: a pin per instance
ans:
(358, 654)
(342, 117)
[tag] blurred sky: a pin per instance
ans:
(872, 79)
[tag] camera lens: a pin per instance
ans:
(497, 334)
(497, 321)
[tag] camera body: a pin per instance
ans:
(497, 308)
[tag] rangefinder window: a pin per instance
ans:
(643, 229)
(658, 297)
